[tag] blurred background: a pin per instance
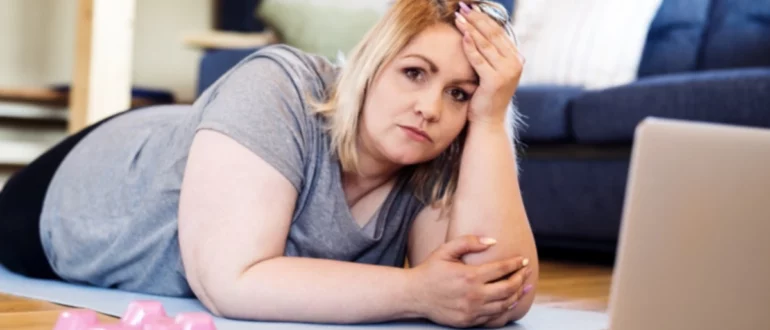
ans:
(38, 43)
(595, 69)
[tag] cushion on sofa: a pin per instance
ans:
(738, 35)
(674, 39)
(544, 109)
(324, 27)
(591, 43)
(739, 97)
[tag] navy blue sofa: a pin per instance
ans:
(704, 60)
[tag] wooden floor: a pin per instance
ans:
(563, 285)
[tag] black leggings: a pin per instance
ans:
(21, 202)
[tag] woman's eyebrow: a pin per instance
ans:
(434, 69)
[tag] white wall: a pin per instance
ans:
(37, 43)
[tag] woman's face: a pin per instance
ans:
(418, 103)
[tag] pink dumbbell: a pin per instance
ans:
(76, 320)
(195, 321)
(142, 312)
(140, 315)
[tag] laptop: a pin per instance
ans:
(694, 246)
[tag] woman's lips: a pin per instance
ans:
(416, 134)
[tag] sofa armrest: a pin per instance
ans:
(737, 97)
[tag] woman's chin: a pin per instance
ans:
(409, 158)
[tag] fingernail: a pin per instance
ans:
(527, 289)
(464, 8)
(460, 18)
(488, 241)
(476, 8)
(513, 305)
(525, 262)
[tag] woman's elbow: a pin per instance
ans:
(505, 248)
(521, 310)
(213, 294)
(205, 296)
(212, 307)
(222, 304)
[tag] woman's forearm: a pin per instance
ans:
(488, 200)
(317, 291)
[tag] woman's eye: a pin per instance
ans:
(413, 74)
(459, 95)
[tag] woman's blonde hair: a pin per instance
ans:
(434, 181)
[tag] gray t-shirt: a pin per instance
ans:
(110, 215)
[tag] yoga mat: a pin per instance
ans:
(114, 302)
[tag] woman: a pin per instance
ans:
(294, 189)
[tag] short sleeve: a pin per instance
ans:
(260, 103)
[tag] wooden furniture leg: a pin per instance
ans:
(101, 83)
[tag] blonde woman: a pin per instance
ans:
(295, 189)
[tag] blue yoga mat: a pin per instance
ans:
(114, 303)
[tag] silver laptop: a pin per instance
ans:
(694, 250)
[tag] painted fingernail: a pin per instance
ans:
(513, 305)
(460, 18)
(527, 289)
(488, 241)
(525, 262)
(476, 8)
(464, 8)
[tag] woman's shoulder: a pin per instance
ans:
(263, 103)
(307, 70)
(271, 78)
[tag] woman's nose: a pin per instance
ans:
(429, 107)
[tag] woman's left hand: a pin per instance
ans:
(495, 59)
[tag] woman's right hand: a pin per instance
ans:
(451, 293)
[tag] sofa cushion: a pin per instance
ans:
(674, 39)
(544, 109)
(738, 35)
(739, 97)
(324, 27)
(592, 43)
